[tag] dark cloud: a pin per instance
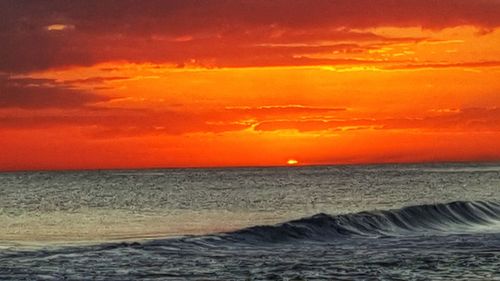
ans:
(193, 16)
(112, 122)
(38, 35)
(30, 93)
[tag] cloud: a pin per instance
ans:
(315, 125)
(116, 122)
(28, 93)
(446, 65)
(191, 16)
(36, 35)
(281, 110)
(95, 80)
(109, 122)
(468, 119)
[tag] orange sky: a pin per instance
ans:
(126, 84)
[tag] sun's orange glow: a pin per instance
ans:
(392, 88)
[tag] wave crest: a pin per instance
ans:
(431, 219)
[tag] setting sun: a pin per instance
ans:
(292, 162)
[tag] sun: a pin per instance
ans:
(292, 162)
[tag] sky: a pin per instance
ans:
(139, 84)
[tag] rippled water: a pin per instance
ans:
(129, 225)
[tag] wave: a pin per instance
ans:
(431, 219)
(459, 217)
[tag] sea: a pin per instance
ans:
(355, 222)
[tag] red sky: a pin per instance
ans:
(136, 84)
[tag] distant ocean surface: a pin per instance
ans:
(374, 222)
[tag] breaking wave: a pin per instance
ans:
(432, 219)
(460, 217)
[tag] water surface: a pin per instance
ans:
(307, 223)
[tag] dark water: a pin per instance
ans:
(409, 222)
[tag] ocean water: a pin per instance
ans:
(376, 222)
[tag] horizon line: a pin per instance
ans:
(215, 167)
